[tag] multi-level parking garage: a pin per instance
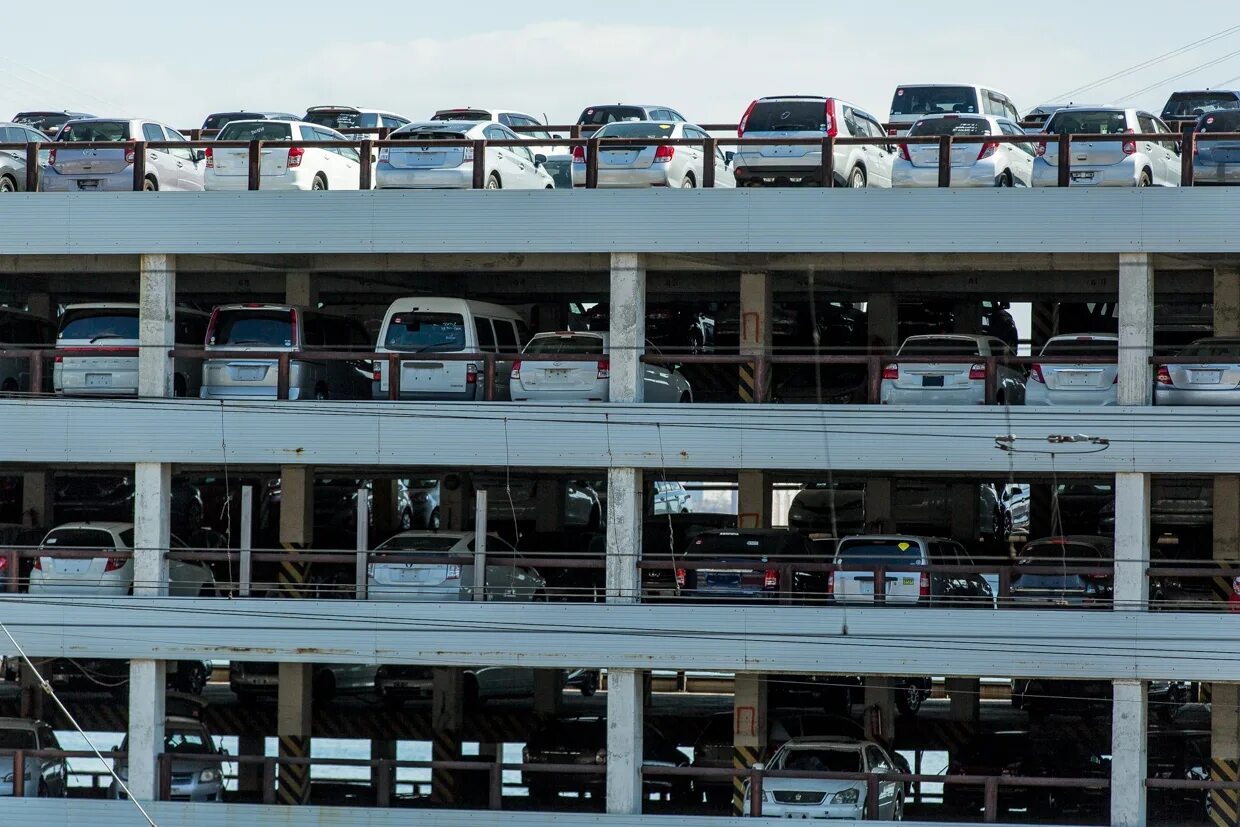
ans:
(291, 588)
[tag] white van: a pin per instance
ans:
(914, 101)
(430, 326)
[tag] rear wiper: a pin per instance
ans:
(106, 336)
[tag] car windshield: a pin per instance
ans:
(610, 114)
(934, 100)
(893, 552)
(79, 538)
(637, 129)
(552, 345)
(788, 116)
(258, 327)
(97, 325)
(1214, 348)
(256, 131)
(952, 126)
(477, 115)
(1084, 346)
(1192, 104)
(1060, 551)
(1220, 122)
(96, 132)
(821, 759)
(222, 119)
(1087, 122)
(940, 347)
(17, 739)
(422, 331)
(426, 543)
(187, 742)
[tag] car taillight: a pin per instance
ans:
(294, 336)
(1163, 377)
(904, 153)
(989, 148)
(925, 584)
(295, 154)
(60, 360)
(892, 131)
(114, 563)
(51, 156)
(129, 155)
(1035, 373)
(378, 371)
(977, 371)
(210, 337)
(38, 563)
(680, 577)
(830, 582)
(663, 154)
(770, 579)
(832, 131)
(891, 372)
(516, 369)
(579, 155)
(1129, 147)
(210, 158)
(384, 154)
(604, 368)
(471, 374)
(468, 157)
(740, 127)
(1039, 149)
(452, 572)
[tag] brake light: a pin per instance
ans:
(215, 315)
(1130, 147)
(579, 155)
(471, 374)
(664, 153)
(452, 572)
(1040, 149)
(830, 111)
(114, 563)
(295, 154)
(680, 577)
(468, 157)
(1035, 373)
(892, 371)
(977, 371)
(770, 579)
(892, 131)
(210, 158)
(830, 582)
(516, 369)
(38, 563)
(60, 360)
(384, 154)
(1163, 377)
(604, 368)
(51, 156)
(904, 153)
(129, 154)
(989, 148)
(925, 584)
(378, 371)
(740, 128)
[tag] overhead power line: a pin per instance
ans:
(1179, 75)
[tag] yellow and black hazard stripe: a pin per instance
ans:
(1044, 319)
(1224, 804)
(745, 382)
(445, 746)
(1221, 586)
(742, 759)
(294, 572)
(293, 780)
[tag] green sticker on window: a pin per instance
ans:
(903, 546)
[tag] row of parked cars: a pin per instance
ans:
(919, 110)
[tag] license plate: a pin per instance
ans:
(1071, 377)
(72, 566)
(906, 581)
(98, 380)
(932, 381)
(1205, 377)
(619, 157)
(251, 373)
(555, 374)
(429, 158)
(1082, 176)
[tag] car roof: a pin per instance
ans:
(1077, 336)
(826, 741)
(345, 108)
(440, 304)
(630, 105)
(971, 337)
(185, 720)
(103, 525)
(1205, 92)
(457, 535)
(1227, 340)
(412, 125)
(944, 85)
(895, 538)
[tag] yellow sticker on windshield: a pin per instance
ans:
(903, 546)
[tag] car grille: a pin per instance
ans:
(182, 777)
(798, 797)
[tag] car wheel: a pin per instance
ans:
(1144, 180)
(1005, 180)
(43, 791)
(7, 184)
(696, 345)
(406, 520)
(897, 814)
(687, 184)
(319, 183)
(589, 684)
(433, 523)
(191, 677)
(320, 393)
(178, 386)
(908, 700)
(150, 185)
(685, 398)
(856, 179)
(493, 182)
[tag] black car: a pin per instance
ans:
(587, 585)
(752, 565)
(1033, 584)
(583, 741)
(673, 327)
(1044, 696)
(85, 497)
(664, 539)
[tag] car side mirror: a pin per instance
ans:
(759, 766)
(557, 137)
(540, 159)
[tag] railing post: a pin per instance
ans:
(480, 165)
(255, 165)
(496, 777)
(874, 380)
(32, 167)
(393, 372)
(19, 773)
(992, 800)
(761, 377)
(991, 382)
(1005, 583)
(269, 781)
(36, 372)
(165, 776)
(1188, 147)
(282, 376)
(871, 797)
(488, 377)
(945, 160)
(709, 147)
(1065, 159)
(828, 161)
(575, 132)
(139, 165)
(880, 584)
(12, 559)
(368, 148)
(384, 792)
(592, 149)
(755, 793)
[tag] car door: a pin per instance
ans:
(881, 158)
(159, 162)
(500, 159)
(695, 157)
(657, 381)
(186, 579)
(531, 177)
(191, 173)
(879, 764)
(345, 161)
(1020, 155)
(1172, 149)
(1152, 149)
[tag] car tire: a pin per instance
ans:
(7, 184)
(321, 393)
(897, 813)
(150, 185)
(1005, 180)
(434, 522)
(493, 182)
(589, 684)
(1145, 180)
(324, 690)
(857, 178)
(908, 700)
(685, 398)
(191, 677)
(406, 520)
(43, 791)
(688, 183)
(595, 520)
(319, 182)
(696, 345)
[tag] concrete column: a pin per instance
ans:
(447, 721)
(882, 317)
(152, 536)
(1128, 753)
(37, 499)
(300, 289)
(879, 717)
(548, 691)
(965, 696)
(1044, 317)
(753, 499)
(157, 298)
(967, 316)
(749, 729)
(1132, 541)
(624, 534)
(549, 505)
(625, 725)
(964, 519)
(628, 327)
(146, 726)
(757, 309)
(1227, 302)
(294, 710)
(880, 505)
(296, 528)
(1136, 328)
(31, 690)
(250, 776)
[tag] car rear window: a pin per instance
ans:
(79, 538)
(17, 739)
(611, 114)
(1192, 104)
(1228, 121)
(439, 132)
(95, 325)
(45, 122)
(257, 327)
(96, 131)
(934, 100)
(1087, 122)
(461, 115)
(341, 119)
(1215, 348)
(636, 129)
(952, 126)
(550, 345)
(419, 544)
(940, 347)
(894, 552)
(1082, 347)
(255, 131)
(425, 331)
(222, 119)
(788, 116)
(1056, 552)
(742, 544)
(822, 759)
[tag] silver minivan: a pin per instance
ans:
(236, 329)
(99, 344)
(429, 327)
(19, 330)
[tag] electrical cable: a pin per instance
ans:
(1179, 75)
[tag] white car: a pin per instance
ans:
(914, 101)
(815, 798)
(1112, 163)
(973, 165)
(105, 574)
(44, 776)
(653, 165)
(192, 779)
(394, 579)
(111, 170)
(584, 372)
(426, 164)
(283, 168)
(921, 380)
(1056, 380)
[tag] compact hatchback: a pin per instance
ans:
(1213, 378)
(802, 116)
(49, 123)
(393, 579)
(583, 372)
(44, 776)
(990, 164)
(99, 169)
(859, 555)
(919, 378)
(192, 778)
(422, 161)
(283, 168)
(1192, 104)
(352, 117)
(1109, 163)
(655, 164)
(1217, 160)
(593, 117)
(106, 574)
(911, 102)
(13, 161)
(1056, 380)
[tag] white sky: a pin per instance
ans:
(708, 59)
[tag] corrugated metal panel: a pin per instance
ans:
(1197, 220)
(871, 641)
(689, 437)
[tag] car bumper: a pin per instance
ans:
(471, 394)
(653, 176)
(981, 174)
(805, 170)
(294, 179)
(456, 178)
(840, 812)
(1039, 394)
(65, 586)
(240, 392)
(1122, 174)
(597, 393)
(1205, 173)
(933, 396)
(1181, 396)
(121, 181)
(405, 688)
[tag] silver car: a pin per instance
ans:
(193, 779)
(918, 379)
(1215, 380)
(824, 798)
(583, 373)
(1056, 380)
(797, 116)
(593, 117)
(422, 162)
(13, 161)
(653, 165)
(393, 579)
(420, 504)
(1109, 163)
(973, 165)
(106, 169)
(43, 776)
(1217, 161)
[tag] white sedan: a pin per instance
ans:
(106, 574)
(655, 164)
(283, 168)
(391, 578)
(423, 162)
(584, 372)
